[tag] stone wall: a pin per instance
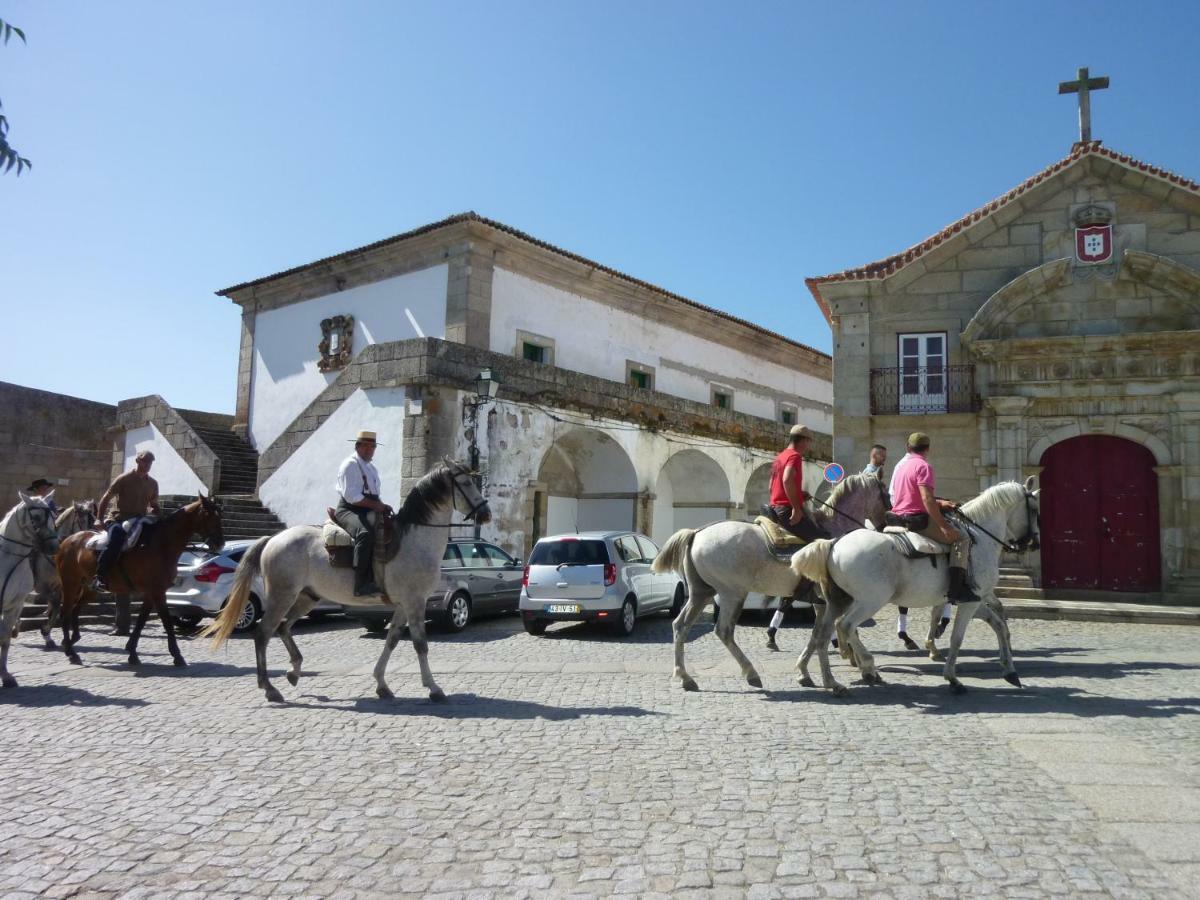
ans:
(64, 439)
(154, 410)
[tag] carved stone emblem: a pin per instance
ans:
(337, 343)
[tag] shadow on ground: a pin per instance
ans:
(466, 706)
(48, 695)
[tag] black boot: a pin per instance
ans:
(960, 591)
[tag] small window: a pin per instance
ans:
(722, 398)
(535, 348)
(640, 379)
(533, 352)
(638, 375)
(787, 414)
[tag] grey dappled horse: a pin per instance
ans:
(79, 516)
(730, 559)
(26, 533)
(296, 574)
(867, 567)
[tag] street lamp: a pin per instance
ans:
(487, 386)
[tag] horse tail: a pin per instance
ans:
(673, 553)
(222, 627)
(812, 561)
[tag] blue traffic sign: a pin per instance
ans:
(834, 473)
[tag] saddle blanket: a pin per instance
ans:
(779, 539)
(133, 528)
(912, 545)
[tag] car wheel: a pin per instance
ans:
(535, 626)
(458, 613)
(677, 603)
(627, 621)
(251, 613)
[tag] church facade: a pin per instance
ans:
(1053, 332)
(620, 405)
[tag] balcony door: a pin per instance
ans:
(922, 372)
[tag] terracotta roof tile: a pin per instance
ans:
(508, 229)
(883, 268)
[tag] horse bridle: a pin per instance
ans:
(474, 507)
(39, 542)
(1028, 541)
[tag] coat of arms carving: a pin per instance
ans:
(1093, 236)
(337, 343)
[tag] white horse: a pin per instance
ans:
(79, 516)
(730, 559)
(296, 574)
(26, 533)
(867, 566)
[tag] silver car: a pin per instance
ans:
(596, 576)
(204, 581)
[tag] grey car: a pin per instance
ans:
(477, 578)
(596, 576)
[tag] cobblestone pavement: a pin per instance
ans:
(572, 765)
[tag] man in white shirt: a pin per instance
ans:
(358, 508)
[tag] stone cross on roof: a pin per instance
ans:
(1083, 86)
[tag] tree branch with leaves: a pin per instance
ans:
(9, 157)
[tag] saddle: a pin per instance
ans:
(138, 528)
(912, 545)
(339, 546)
(779, 540)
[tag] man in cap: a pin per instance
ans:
(136, 494)
(358, 507)
(787, 487)
(915, 506)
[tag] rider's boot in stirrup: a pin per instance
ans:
(960, 591)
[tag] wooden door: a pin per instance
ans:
(1099, 515)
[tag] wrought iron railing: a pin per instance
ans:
(921, 391)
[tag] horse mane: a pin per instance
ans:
(428, 494)
(997, 498)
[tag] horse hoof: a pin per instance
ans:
(754, 681)
(877, 679)
(134, 660)
(690, 685)
(50, 645)
(293, 679)
(273, 695)
(8, 681)
(1012, 679)
(839, 690)
(957, 687)
(384, 693)
(73, 659)
(437, 696)
(805, 681)
(179, 662)
(935, 655)
(909, 643)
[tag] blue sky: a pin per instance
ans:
(723, 151)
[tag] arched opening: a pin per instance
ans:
(691, 491)
(1099, 507)
(590, 484)
(758, 490)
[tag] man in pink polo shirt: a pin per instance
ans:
(915, 507)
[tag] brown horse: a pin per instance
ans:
(149, 570)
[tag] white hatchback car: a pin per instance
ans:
(596, 576)
(204, 580)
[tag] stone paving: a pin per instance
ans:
(572, 765)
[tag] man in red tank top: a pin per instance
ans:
(787, 487)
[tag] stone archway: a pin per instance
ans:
(758, 490)
(1100, 515)
(590, 484)
(692, 490)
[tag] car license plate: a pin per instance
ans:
(564, 608)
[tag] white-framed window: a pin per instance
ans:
(787, 413)
(535, 347)
(922, 371)
(721, 396)
(638, 375)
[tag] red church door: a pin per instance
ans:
(1099, 505)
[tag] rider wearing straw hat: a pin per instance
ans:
(358, 503)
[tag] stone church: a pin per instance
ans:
(617, 404)
(1054, 332)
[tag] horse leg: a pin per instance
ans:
(54, 606)
(131, 644)
(725, 627)
(847, 627)
(72, 598)
(272, 616)
(935, 618)
(300, 609)
(804, 658)
(164, 615)
(966, 611)
(12, 613)
(698, 598)
(399, 620)
(416, 631)
(993, 613)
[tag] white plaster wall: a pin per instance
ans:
(562, 514)
(285, 374)
(174, 476)
(596, 339)
(300, 490)
(605, 515)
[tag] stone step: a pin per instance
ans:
(1083, 611)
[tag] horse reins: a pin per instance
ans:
(1018, 546)
(838, 511)
(470, 514)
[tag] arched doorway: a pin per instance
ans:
(691, 491)
(1100, 524)
(590, 484)
(758, 490)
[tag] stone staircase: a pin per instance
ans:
(1022, 600)
(239, 461)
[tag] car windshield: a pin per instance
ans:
(569, 552)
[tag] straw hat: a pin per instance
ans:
(364, 436)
